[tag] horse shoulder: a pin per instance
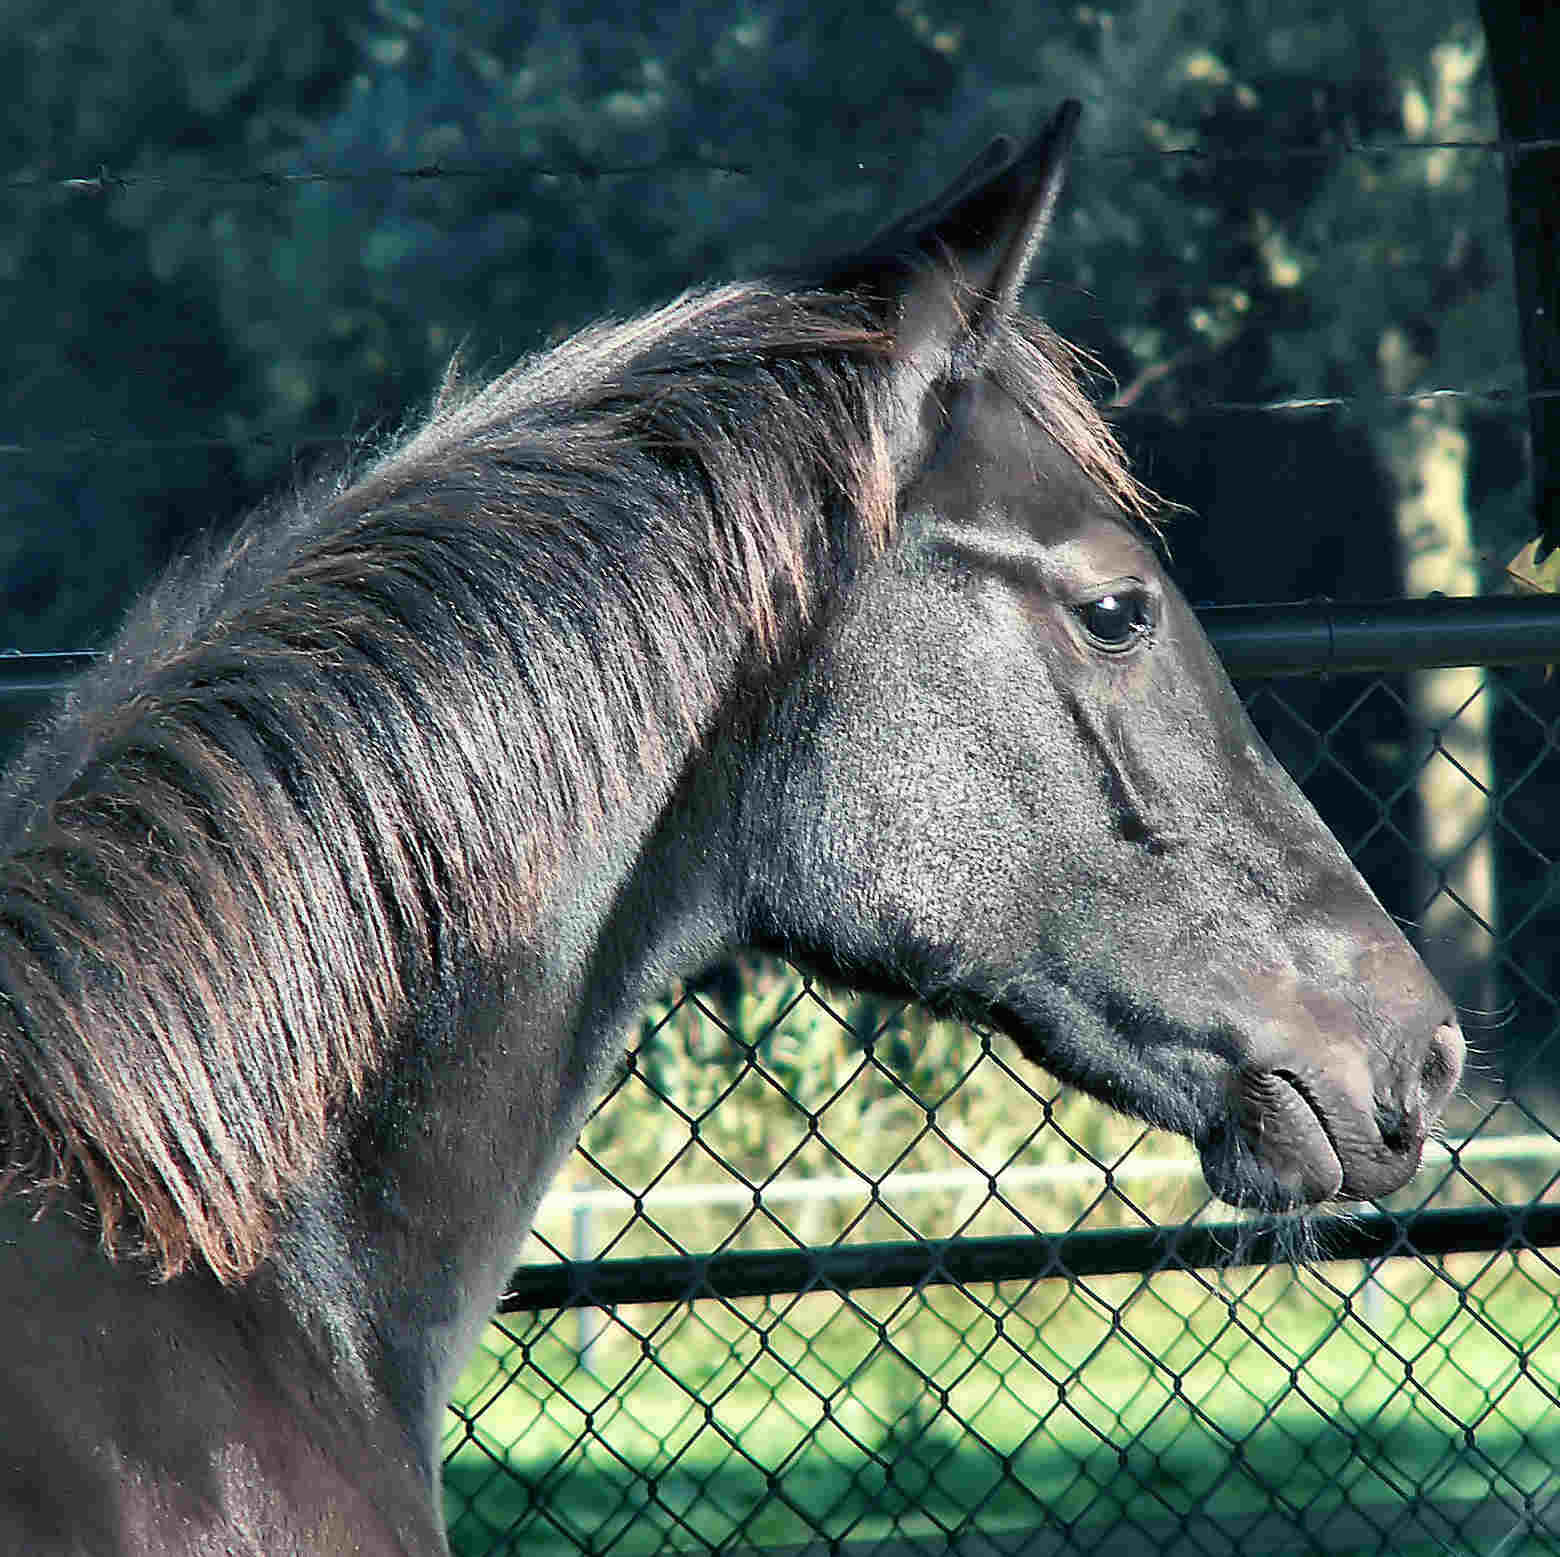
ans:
(153, 1419)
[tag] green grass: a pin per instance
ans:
(1360, 1417)
(906, 1415)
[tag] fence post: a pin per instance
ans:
(1373, 1296)
(587, 1321)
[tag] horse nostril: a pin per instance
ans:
(1442, 1068)
(1402, 1124)
(1400, 1130)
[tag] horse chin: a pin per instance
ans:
(1275, 1154)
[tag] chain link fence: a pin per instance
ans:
(828, 1276)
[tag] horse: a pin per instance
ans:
(819, 614)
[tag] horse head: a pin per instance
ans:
(1009, 777)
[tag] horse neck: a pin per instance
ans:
(391, 1256)
(429, 1220)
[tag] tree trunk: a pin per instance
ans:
(1426, 454)
(1424, 446)
(1524, 54)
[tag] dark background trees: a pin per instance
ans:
(172, 296)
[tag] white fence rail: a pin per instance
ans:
(577, 1201)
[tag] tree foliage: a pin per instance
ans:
(196, 301)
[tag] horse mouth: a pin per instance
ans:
(1285, 1146)
(1280, 1123)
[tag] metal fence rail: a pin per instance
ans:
(1321, 637)
(1032, 1257)
(1313, 637)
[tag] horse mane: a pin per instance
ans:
(326, 771)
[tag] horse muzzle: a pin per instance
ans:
(1303, 1129)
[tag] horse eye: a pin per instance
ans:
(1116, 620)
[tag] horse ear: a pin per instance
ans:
(952, 270)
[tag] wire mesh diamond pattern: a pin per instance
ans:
(1402, 1405)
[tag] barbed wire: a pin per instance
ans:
(107, 444)
(1512, 399)
(1498, 145)
(106, 181)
